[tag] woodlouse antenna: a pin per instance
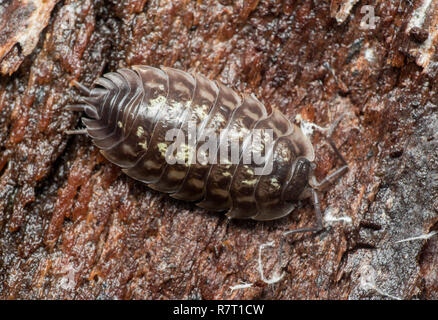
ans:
(326, 182)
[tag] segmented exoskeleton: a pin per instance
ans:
(131, 110)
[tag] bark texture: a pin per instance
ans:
(73, 226)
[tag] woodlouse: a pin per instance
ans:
(130, 111)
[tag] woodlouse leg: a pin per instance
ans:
(80, 108)
(318, 226)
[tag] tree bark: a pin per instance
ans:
(73, 226)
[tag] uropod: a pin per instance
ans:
(130, 112)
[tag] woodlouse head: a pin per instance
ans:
(299, 180)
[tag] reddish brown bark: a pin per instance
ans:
(73, 226)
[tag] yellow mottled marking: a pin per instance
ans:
(200, 112)
(185, 153)
(162, 147)
(140, 131)
(218, 120)
(157, 102)
(249, 182)
(275, 184)
(143, 144)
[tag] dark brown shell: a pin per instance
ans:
(131, 110)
